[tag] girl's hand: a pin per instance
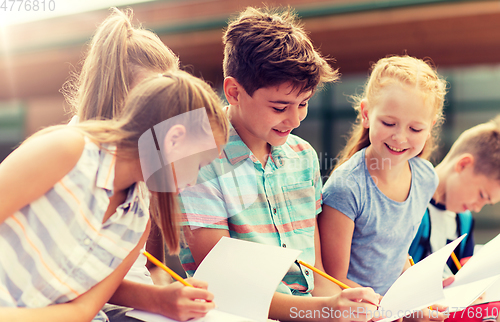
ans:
(182, 303)
(354, 304)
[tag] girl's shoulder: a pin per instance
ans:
(63, 144)
(37, 165)
(350, 175)
(422, 165)
(354, 164)
(423, 170)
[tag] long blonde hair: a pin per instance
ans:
(118, 53)
(400, 70)
(153, 101)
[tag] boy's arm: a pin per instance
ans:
(335, 230)
(202, 240)
(322, 286)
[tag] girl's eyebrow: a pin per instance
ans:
(395, 118)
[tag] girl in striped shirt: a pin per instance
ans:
(119, 57)
(73, 220)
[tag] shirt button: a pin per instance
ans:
(274, 211)
(284, 245)
(86, 242)
(307, 272)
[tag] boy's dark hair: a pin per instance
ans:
(483, 142)
(266, 47)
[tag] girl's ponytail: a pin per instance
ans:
(104, 78)
(120, 56)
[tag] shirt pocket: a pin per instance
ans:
(300, 203)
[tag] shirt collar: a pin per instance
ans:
(236, 150)
(438, 205)
(106, 176)
(106, 170)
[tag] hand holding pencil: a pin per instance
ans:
(188, 299)
(174, 275)
(334, 280)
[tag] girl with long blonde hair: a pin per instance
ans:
(72, 220)
(120, 56)
(375, 199)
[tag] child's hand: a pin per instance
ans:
(447, 281)
(354, 304)
(465, 260)
(183, 303)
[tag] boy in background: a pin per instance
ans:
(469, 178)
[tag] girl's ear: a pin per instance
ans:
(364, 114)
(232, 90)
(174, 138)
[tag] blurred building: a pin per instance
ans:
(461, 37)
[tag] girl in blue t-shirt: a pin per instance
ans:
(375, 198)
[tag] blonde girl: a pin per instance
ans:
(375, 199)
(72, 221)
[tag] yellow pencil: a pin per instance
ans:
(325, 275)
(328, 277)
(456, 261)
(164, 267)
(411, 260)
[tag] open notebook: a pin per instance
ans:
(421, 285)
(243, 277)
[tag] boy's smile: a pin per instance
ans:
(268, 116)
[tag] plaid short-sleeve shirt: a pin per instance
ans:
(275, 205)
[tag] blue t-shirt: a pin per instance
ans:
(383, 228)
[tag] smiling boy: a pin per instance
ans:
(271, 71)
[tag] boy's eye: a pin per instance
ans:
(388, 124)
(304, 104)
(279, 109)
(415, 130)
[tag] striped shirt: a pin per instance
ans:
(275, 205)
(57, 247)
